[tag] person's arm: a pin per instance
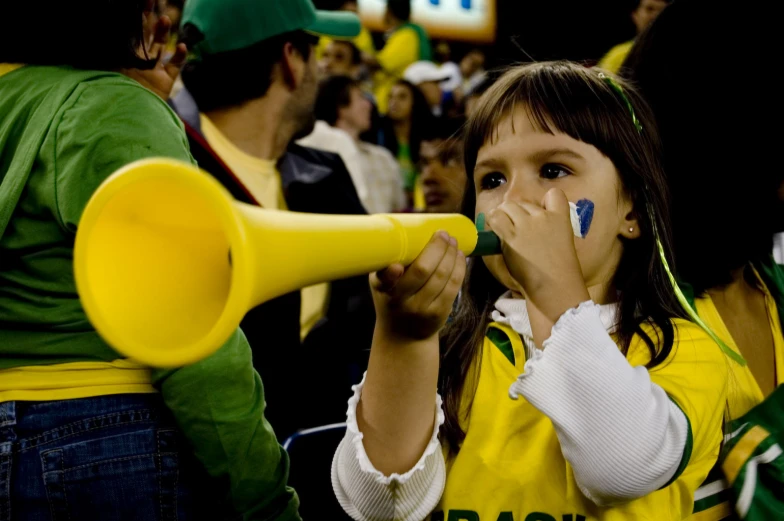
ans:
(626, 430)
(396, 412)
(400, 51)
(218, 403)
(366, 494)
(622, 434)
(393, 417)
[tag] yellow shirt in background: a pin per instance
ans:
(261, 178)
(400, 51)
(744, 392)
(5, 68)
(614, 58)
(363, 42)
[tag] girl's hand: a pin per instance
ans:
(413, 303)
(538, 249)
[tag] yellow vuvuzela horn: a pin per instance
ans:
(167, 262)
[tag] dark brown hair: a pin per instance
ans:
(334, 94)
(711, 152)
(571, 99)
(93, 34)
(231, 78)
(421, 121)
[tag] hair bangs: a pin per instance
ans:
(558, 97)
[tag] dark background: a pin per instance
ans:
(550, 29)
(560, 29)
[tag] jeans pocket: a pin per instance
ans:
(126, 476)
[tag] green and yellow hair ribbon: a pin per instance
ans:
(678, 293)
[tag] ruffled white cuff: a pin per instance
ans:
(353, 433)
(367, 494)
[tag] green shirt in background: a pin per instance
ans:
(62, 132)
(407, 168)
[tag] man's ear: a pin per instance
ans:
(292, 66)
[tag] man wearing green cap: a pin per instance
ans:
(250, 90)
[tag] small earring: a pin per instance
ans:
(631, 230)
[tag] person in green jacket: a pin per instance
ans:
(84, 433)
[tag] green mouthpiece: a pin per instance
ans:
(487, 242)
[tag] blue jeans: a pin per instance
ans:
(106, 458)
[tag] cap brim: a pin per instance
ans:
(434, 79)
(336, 24)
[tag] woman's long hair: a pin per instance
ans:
(421, 121)
(574, 100)
(91, 34)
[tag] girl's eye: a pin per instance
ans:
(551, 171)
(492, 180)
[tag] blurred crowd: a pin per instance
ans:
(395, 102)
(330, 119)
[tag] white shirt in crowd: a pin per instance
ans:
(375, 173)
(778, 248)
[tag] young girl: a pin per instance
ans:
(571, 387)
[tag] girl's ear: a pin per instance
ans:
(630, 228)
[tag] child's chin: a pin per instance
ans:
(497, 267)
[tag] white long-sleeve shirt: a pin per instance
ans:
(584, 384)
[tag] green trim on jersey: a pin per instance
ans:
(502, 342)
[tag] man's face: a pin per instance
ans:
(471, 63)
(401, 102)
(337, 59)
(358, 112)
(646, 13)
(299, 108)
(443, 176)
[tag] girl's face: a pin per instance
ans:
(522, 163)
(401, 103)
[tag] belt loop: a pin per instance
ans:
(7, 414)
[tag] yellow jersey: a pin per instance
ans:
(511, 468)
(400, 51)
(615, 57)
(363, 41)
(712, 500)
(261, 178)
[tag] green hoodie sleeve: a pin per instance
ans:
(217, 403)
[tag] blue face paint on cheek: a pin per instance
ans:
(585, 214)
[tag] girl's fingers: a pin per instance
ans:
(532, 209)
(384, 280)
(420, 271)
(501, 222)
(454, 283)
(439, 278)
